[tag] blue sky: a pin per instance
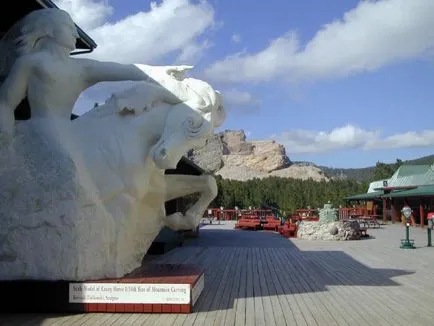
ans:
(341, 83)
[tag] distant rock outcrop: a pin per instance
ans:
(230, 155)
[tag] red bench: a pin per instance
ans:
(248, 222)
(271, 224)
(288, 230)
(304, 218)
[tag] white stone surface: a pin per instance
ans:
(347, 230)
(84, 199)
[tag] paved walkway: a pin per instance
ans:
(260, 278)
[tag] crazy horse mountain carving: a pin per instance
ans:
(84, 199)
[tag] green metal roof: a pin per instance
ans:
(422, 191)
(366, 196)
(412, 175)
(410, 170)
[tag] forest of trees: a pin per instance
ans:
(287, 194)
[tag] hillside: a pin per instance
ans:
(366, 173)
(359, 174)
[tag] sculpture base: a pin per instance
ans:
(407, 244)
(154, 288)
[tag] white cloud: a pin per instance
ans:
(368, 37)
(171, 27)
(235, 98)
(350, 137)
(193, 52)
(168, 27)
(406, 140)
(87, 14)
(236, 38)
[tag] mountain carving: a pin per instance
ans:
(232, 156)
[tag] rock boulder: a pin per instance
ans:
(342, 230)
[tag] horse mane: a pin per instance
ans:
(119, 103)
(109, 107)
(131, 102)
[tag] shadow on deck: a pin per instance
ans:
(243, 264)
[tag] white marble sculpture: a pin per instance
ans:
(84, 199)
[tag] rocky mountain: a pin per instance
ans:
(230, 155)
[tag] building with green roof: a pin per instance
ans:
(412, 175)
(411, 185)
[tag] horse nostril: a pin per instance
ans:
(163, 152)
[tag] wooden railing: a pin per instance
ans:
(306, 212)
(233, 214)
(347, 212)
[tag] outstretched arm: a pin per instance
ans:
(165, 81)
(102, 71)
(12, 92)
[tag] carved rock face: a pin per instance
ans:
(230, 155)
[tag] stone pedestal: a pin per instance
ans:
(155, 288)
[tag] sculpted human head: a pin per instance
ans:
(46, 25)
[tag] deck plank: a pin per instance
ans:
(270, 297)
(321, 314)
(395, 295)
(344, 312)
(240, 308)
(219, 286)
(250, 302)
(369, 311)
(230, 317)
(215, 269)
(214, 260)
(98, 319)
(76, 319)
(131, 320)
(282, 309)
(389, 298)
(303, 315)
(227, 286)
(260, 308)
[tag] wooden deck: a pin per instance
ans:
(260, 278)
